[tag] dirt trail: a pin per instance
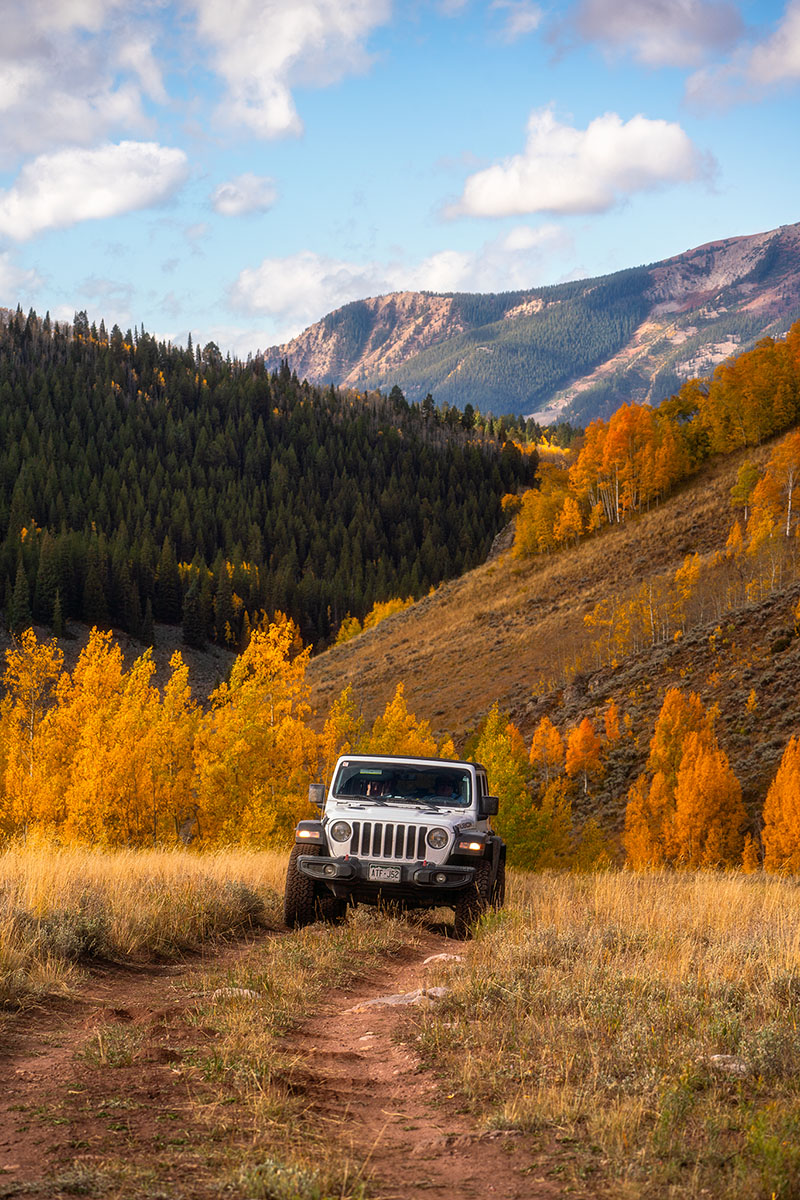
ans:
(368, 1085)
(64, 1124)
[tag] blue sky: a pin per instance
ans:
(238, 168)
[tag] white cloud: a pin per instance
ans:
(16, 281)
(73, 72)
(660, 32)
(566, 170)
(246, 194)
(521, 17)
(263, 48)
(753, 69)
(300, 289)
(778, 58)
(57, 190)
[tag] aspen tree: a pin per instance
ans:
(781, 832)
(32, 671)
(583, 756)
(397, 731)
(709, 813)
(547, 750)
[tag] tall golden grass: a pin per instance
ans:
(647, 1023)
(59, 905)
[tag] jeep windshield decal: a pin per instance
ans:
(434, 786)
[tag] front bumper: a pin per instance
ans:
(350, 873)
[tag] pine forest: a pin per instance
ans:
(140, 482)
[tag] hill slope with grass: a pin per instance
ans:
(572, 351)
(513, 631)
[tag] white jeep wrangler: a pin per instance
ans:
(411, 830)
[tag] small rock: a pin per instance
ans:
(232, 993)
(729, 1064)
(418, 996)
(443, 958)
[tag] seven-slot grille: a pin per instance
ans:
(377, 839)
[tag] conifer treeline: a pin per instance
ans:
(141, 481)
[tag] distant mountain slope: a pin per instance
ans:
(575, 350)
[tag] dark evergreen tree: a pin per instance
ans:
(194, 621)
(19, 617)
(167, 599)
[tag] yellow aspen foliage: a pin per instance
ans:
(680, 715)
(175, 807)
(255, 753)
(647, 819)
(751, 860)
(547, 750)
(709, 813)
(568, 525)
(342, 732)
(507, 779)
(751, 703)
(31, 673)
(86, 706)
(397, 731)
(447, 749)
(584, 752)
(611, 723)
(781, 832)
(548, 836)
(593, 851)
(734, 546)
(382, 609)
(350, 627)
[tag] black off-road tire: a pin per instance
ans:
(499, 886)
(473, 901)
(331, 909)
(299, 897)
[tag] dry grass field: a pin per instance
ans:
(645, 1026)
(63, 905)
(638, 1033)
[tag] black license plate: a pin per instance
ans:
(383, 874)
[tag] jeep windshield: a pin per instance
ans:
(383, 783)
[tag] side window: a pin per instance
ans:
(482, 786)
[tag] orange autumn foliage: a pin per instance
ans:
(687, 809)
(781, 832)
(584, 752)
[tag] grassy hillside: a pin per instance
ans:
(513, 631)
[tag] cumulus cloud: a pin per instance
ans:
(660, 32)
(72, 72)
(520, 17)
(297, 290)
(302, 287)
(58, 190)
(566, 170)
(778, 58)
(263, 48)
(245, 194)
(754, 69)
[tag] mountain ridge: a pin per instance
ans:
(568, 351)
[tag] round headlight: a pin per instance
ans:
(438, 838)
(340, 831)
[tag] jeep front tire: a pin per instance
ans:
(299, 897)
(473, 901)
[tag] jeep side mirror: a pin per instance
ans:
(490, 806)
(316, 794)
